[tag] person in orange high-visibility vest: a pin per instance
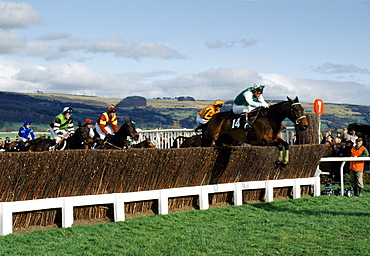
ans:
(107, 123)
(357, 168)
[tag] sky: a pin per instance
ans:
(204, 49)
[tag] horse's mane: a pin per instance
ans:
(267, 110)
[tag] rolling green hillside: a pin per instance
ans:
(42, 108)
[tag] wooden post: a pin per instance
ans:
(310, 135)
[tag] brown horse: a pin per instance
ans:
(17, 146)
(80, 139)
(147, 143)
(119, 139)
(266, 126)
(188, 142)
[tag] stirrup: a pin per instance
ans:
(247, 127)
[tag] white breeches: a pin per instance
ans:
(57, 137)
(239, 109)
(21, 139)
(108, 128)
(200, 120)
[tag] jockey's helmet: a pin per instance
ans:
(67, 110)
(26, 123)
(258, 87)
(218, 103)
(88, 121)
(112, 109)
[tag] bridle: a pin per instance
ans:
(292, 112)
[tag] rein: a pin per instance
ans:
(106, 142)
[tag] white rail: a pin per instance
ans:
(119, 199)
(343, 160)
(164, 138)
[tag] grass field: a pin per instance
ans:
(324, 225)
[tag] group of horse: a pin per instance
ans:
(220, 130)
(81, 139)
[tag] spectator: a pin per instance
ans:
(357, 168)
(353, 137)
(339, 135)
(345, 134)
(2, 144)
(335, 166)
(328, 139)
(6, 141)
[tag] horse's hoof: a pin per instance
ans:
(277, 164)
(282, 165)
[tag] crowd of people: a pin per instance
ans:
(349, 145)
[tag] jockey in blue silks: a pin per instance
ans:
(26, 132)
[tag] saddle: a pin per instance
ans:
(239, 121)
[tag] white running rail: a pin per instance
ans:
(119, 199)
(164, 138)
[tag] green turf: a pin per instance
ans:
(324, 225)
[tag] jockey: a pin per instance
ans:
(88, 123)
(25, 131)
(24, 134)
(62, 125)
(107, 123)
(248, 100)
(206, 113)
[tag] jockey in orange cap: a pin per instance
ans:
(206, 113)
(107, 123)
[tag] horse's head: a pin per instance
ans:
(83, 133)
(130, 128)
(297, 114)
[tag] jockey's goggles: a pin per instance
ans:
(113, 111)
(219, 105)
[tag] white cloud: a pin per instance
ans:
(17, 15)
(243, 43)
(120, 47)
(10, 42)
(220, 83)
(330, 68)
(54, 36)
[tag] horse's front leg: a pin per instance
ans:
(283, 159)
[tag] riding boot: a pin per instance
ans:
(199, 128)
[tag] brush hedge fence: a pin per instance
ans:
(37, 175)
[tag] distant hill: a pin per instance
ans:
(165, 113)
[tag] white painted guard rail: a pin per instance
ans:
(343, 160)
(119, 199)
